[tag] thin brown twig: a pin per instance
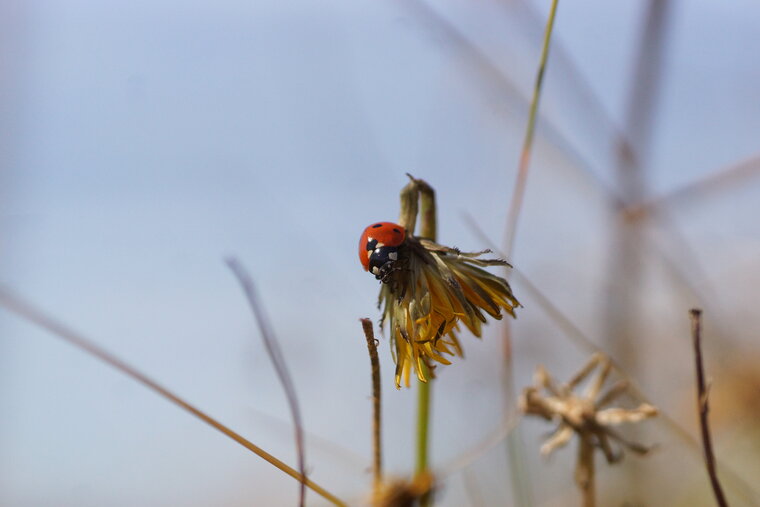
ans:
(703, 407)
(377, 449)
(28, 312)
(278, 361)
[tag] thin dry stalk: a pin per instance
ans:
(628, 239)
(515, 448)
(37, 317)
(278, 361)
(585, 474)
(703, 408)
(377, 449)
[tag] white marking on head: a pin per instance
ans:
(375, 270)
(393, 256)
(378, 244)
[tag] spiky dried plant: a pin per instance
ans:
(585, 415)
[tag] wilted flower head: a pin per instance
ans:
(431, 289)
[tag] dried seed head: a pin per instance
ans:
(583, 414)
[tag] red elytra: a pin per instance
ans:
(378, 235)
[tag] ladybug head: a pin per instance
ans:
(382, 260)
(379, 248)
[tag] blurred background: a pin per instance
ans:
(142, 142)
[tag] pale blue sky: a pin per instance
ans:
(145, 141)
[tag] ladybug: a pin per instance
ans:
(378, 247)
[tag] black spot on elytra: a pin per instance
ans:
(376, 226)
(396, 230)
(371, 244)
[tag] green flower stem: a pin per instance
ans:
(423, 424)
(428, 226)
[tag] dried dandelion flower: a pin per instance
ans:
(428, 289)
(585, 415)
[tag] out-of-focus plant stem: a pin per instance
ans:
(516, 455)
(278, 362)
(530, 129)
(585, 473)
